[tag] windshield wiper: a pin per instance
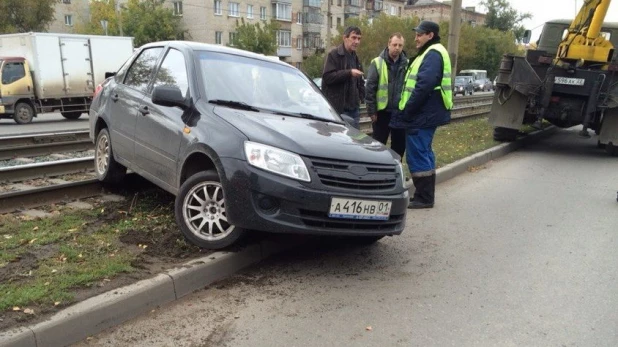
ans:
(234, 104)
(299, 114)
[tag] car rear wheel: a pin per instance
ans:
(23, 113)
(105, 166)
(201, 212)
(505, 134)
(71, 115)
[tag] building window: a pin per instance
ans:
(218, 7)
(284, 38)
(399, 11)
(66, 2)
(68, 20)
(178, 8)
(249, 11)
(283, 11)
(299, 18)
(299, 43)
(263, 13)
(218, 36)
(232, 38)
(233, 9)
(338, 22)
(392, 13)
(298, 65)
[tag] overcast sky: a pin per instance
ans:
(544, 10)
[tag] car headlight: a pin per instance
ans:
(402, 174)
(277, 161)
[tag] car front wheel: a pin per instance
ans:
(201, 212)
(105, 166)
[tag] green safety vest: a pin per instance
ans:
(382, 94)
(445, 86)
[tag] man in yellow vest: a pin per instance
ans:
(426, 103)
(383, 91)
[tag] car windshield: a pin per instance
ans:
(268, 86)
(461, 80)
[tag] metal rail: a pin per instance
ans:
(16, 200)
(46, 169)
(40, 144)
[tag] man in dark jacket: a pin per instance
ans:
(342, 77)
(383, 91)
(426, 103)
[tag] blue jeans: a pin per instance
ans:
(419, 154)
(355, 115)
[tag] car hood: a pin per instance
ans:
(308, 137)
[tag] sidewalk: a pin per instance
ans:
(112, 308)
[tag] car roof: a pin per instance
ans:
(199, 46)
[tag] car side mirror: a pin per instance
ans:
(349, 120)
(169, 96)
(109, 74)
(527, 36)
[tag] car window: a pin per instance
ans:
(120, 74)
(13, 72)
(173, 72)
(141, 70)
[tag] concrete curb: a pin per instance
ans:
(112, 308)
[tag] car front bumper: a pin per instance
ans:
(260, 200)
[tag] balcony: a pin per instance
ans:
(284, 51)
(312, 21)
(374, 5)
(352, 8)
(312, 3)
(281, 2)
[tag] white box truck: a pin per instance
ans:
(43, 72)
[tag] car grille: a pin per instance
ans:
(355, 176)
(321, 220)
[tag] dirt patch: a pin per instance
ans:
(141, 228)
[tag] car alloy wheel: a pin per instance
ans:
(201, 212)
(102, 154)
(105, 166)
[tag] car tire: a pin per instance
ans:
(200, 204)
(23, 113)
(71, 115)
(108, 170)
(611, 149)
(505, 134)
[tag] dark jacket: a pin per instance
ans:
(425, 108)
(396, 74)
(337, 81)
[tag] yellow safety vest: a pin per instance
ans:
(382, 94)
(445, 86)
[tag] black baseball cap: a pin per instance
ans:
(428, 27)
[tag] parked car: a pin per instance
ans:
(244, 143)
(463, 85)
(483, 85)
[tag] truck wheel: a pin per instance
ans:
(505, 134)
(106, 167)
(23, 113)
(201, 212)
(71, 115)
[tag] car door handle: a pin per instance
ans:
(144, 110)
(115, 97)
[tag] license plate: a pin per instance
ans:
(569, 81)
(359, 209)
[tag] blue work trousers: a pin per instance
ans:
(419, 154)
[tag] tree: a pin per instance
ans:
(314, 65)
(20, 16)
(150, 21)
(100, 10)
(255, 37)
(502, 16)
(375, 35)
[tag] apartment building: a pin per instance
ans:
(437, 11)
(306, 26)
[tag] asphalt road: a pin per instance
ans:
(520, 252)
(45, 122)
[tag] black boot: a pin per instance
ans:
(424, 192)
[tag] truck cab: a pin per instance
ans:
(16, 92)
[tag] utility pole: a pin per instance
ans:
(453, 35)
(329, 23)
(119, 16)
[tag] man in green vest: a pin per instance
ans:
(383, 91)
(426, 103)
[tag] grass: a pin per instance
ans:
(44, 261)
